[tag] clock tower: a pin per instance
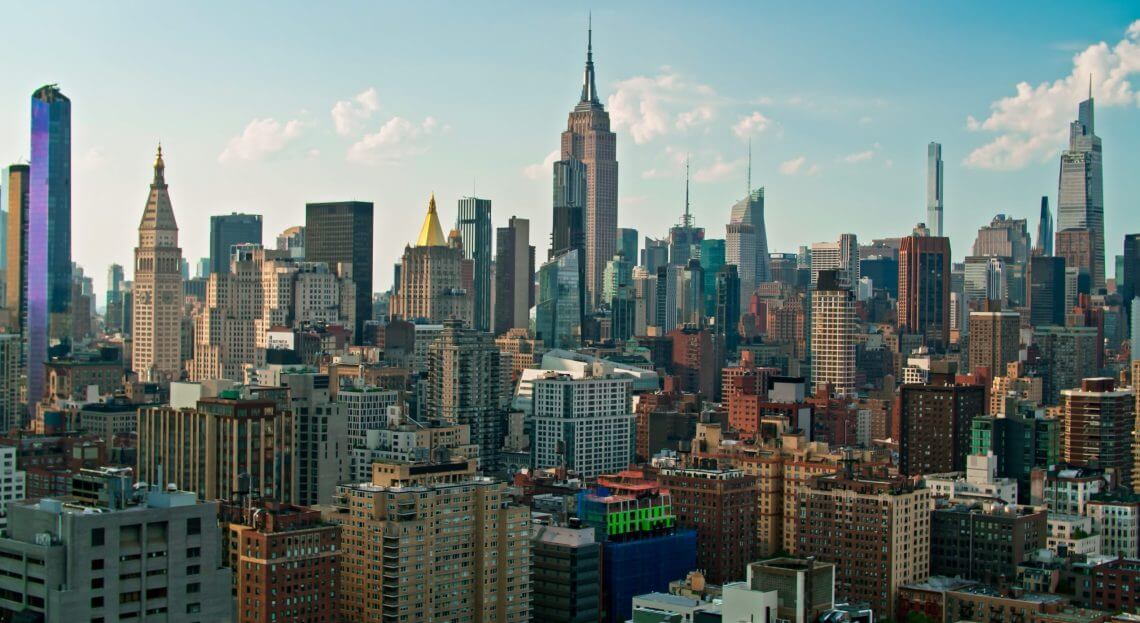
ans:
(156, 339)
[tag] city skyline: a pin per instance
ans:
(368, 138)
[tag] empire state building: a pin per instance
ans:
(588, 140)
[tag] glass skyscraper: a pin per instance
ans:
(1080, 195)
(49, 231)
(750, 210)
(474, 225)
(558, 312)
(228, 231)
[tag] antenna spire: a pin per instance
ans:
(1090, 85)
(688, 219)
(749, 167)
(589, 88)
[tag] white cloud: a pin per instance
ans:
(862, 156)
(542, 169)
(396, 139)
(651, 106)
(632, 200)
(798, 166)
(349, 115)
(259, 139)
(1032, 125)
(719, 170)
(751, 125)
(92, 159)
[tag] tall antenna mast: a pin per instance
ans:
(749, 167)
(688, 219)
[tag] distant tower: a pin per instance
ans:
(833, 334)
(684, 237)
(1080, 195)
(1044, 230)
(156, 353)
(474, 225)
(588, 139)
(750, 210)
(934, 188)
(48, 295)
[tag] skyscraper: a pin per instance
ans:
(1004, 237)
(1129, 286)
(750, 210)
(739, 251)
(514, 276)
(924, 289)
(627, 243)
(727, 311)
(833, 335)
(1044, 230)
(466, 380)
(684, 237)
(1047, 291)
(1097, 421)
(994, 340)
(474, 225)
(48, 295)
(583, 424)
(17, 269)
(431, 285)
(227, 231)
(842, 255)
(340, 235)
(558, 307)
(569, 215)
(934, 188)
(589, 140)
(713, 255)
(156, 351)
(1080, 194)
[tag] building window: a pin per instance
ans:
(98, 536)
(96, 602)
(194, 525)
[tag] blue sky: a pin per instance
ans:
(265, 106)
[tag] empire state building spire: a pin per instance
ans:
(589, 88)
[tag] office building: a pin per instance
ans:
(685, 237)
(466, 384)
(156, 342)
(739, 250)
(566, 575)
(1004, 237)
(270, 535)
(47, 298)
(321, 439)
(984, 542)
(933, 427)
(654, 255)
(340, 235)
(1044, 244)
(115, 553)
(1080, 194)
(805, 588)
(841, 256)
(514, 276)
(434, 277)
(588, 139)
(995, 340)
(720, 505)
(696, 359)
(616, 278)
(228, 231)
(627, 244)
(1129, 285)
(16, 269)
(221, 448)
(474, 225)
(230, 330)
(750, 211)
(569, 209)
(1065, 355)
(291, 241)
(558, 307)
(833, 335)
(432, 542)
(11, 376)
(1097, 421)
(1047, 301)
(713, 253)
(875, 531)
(924, 289)
(585, 425)
(934, 189)
(727, 311)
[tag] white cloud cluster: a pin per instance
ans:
(652, 106)
(751, 125)
(349, 115)
(397, 138)
(1032, 125)
(541, 170)
(862, 156)
(260, 139)
(719, 170)
(798, 166)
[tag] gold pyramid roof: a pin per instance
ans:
(431, 234)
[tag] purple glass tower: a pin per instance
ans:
(49, 231)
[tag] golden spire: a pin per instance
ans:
(431, 234)
(159, 167)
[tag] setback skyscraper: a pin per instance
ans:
(227, 231)
(514, 276)
(48, 295)
(1080, 194)
(156, 352)
(750, 210)
(1044, 230)
(934, 188)
(340, 235)
(474, 225)
(589, 140)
